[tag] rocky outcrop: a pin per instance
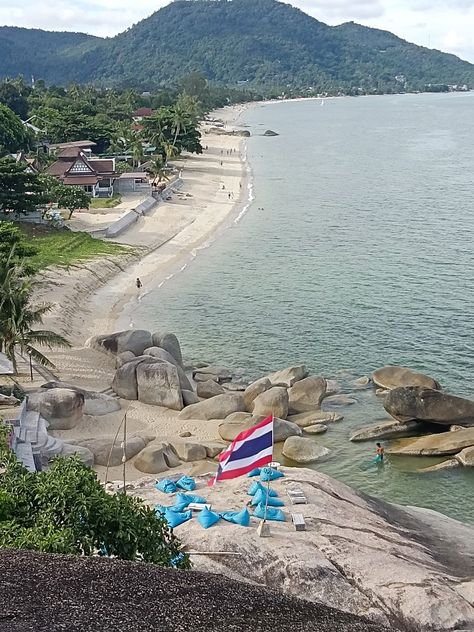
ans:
(218, 407)
(466, 457)
(125, 383)
(219, 374)
(63, 408)
(82, 452)
(134, 340)
(209, 389)
(157, 457)
(161, 354)
(271, 402)
(306, 395)
(158, 385)
(189, 451)
(189, 397)
(441, 444)
(316, 429)
(8, 400)
(339, 400)
(391, 377)
(96, 404)
(170, 343)
(282, 429)
(107, 450)
(316, 417)
(254, 390)
(424, 404)
(302, 450)
(288, 376)
(388, 430)
(123, 357)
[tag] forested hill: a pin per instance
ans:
(259, 42)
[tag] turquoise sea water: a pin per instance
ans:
(357, 252)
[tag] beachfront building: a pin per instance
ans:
(133, 182)
(76, 166)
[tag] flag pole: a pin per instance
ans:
(263, 529)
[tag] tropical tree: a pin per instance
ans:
(19, 316)
(12, 237)
(21, 191)
(156, 169)
(13, 134)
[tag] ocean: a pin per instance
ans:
(356, 252)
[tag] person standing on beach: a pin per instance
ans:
(139, 283)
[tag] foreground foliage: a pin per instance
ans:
(66, 510)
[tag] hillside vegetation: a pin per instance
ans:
(259, 42)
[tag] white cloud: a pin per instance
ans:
(444, 24)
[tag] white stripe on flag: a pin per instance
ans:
(257, 433)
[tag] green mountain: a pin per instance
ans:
(259, 42)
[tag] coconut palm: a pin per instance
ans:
(18, 316)
(155, 168)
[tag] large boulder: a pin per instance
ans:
(189, 397)
(436, 445)
(390, 377)
(218, 407)
(209, 389)
(339, 400)
(125, 383)
(189, 451)
(134, 340)
(303, 420)
(157, 457)
(425, 404)
(170, 343)
(95, 404)
(302, 450)
(254, 390)
(289, 375)
(82, 452)
(161, 354)
(282, 429)
(466, 457)
(271, 402)
(123, 357)
(213, 372)
(62, 407)
(316, 429)
(107, 452)
(159, 385)
(306, 395)
(8, 400)
(388, 430)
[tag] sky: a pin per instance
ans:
(444, 24)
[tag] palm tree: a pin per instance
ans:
(155, 168)
(18, 316)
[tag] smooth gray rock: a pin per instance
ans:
(159, 385)
(8, 400)
(306, 395)
(234, 387)
(107, 453)
(271, 402)
(123, 357)
(189, 451)
(339, 400)
(239, 416)
(441, 444)
(445, 465)
(95, 404)
(213, 448)
(161, 354)
(156, 458)
(424, 404)
(303, 420)
(288, 376)
(134, 340)
(62, 407)
(270, 132)
(362, 382)
(125, 383)
(302, 450)
(82, 452)
(189, 397)
(391, 377)
(316, 429)
(466, 457)
(254, 390)
(388, 430)
(209, 389)
(282, 429)
(218, 407)
(212, 372)
(170, 343)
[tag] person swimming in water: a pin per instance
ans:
(380, 452)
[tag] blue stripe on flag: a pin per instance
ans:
(252, 447)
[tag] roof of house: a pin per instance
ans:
(63, 167)
(69, 152)
(101, 165)
(81, 180)
(74, 143)
(133, 174)
(143, 112)
(56, 592)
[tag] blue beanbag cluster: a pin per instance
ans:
(269, 474)
(272, 513)
(207, 518)
(257, 486)
(187, 499)
(187, 483)
(261, 497)
(237, 517)
(166, 486)
(175, 518)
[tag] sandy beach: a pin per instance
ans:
(88, 299)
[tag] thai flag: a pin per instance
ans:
(250, 449)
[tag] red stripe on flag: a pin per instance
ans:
(245, 434)
(229, 474)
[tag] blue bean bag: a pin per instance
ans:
(207, 518)
(269, 474)
(187, 483)
(272, 513)
(237, 517)
(162, 509)
(175, 518)
(261, 496)
(187, 499)
(255, 472)
(166, 486)
(256, 486)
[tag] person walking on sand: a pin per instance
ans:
(139, 283)
(380, 453)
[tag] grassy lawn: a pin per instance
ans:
(64, 248)
(106, 202)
